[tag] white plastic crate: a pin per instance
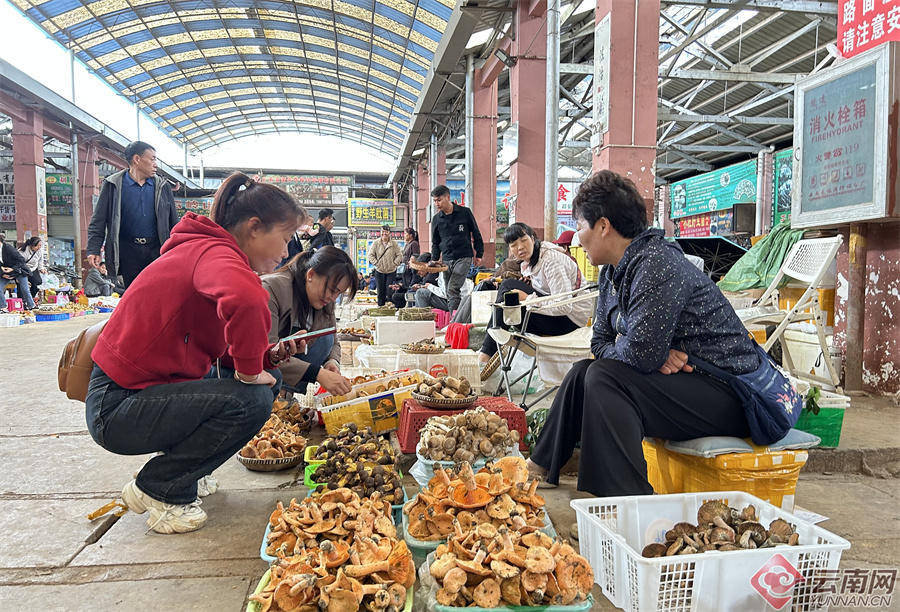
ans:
(390, 330)
(459, 362)
(10, 319)
(613, 531)
(378, 357)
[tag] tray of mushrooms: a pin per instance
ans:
(500, 494)
(445, 393)
(277, 446)
(472, 436)
(489, 567)
(346, 557)
(723, 528)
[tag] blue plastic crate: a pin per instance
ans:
(62, 316)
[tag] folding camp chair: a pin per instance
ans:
(808, 262)
(511, 342)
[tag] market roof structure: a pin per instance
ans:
(213, 71)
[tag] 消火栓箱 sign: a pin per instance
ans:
(717, 190)
(842, 134)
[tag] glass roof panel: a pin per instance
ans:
(208, 72)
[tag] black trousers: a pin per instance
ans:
(133, 258)
(382, 280)
(610, 407)
(34, 282)
(539, 324)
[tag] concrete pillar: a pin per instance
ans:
(628, 145)
(89, 175)
(484, 164)
(528, 88)
(423, 202)
(441, 165)
(28, 160)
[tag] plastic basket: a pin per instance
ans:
(458, 362)
(105, 309)
(10, 319)
(253, 606)
(827, 425)
(308, 455)
(62, 316)
(413, 417)
(396, 509)
(613, 530)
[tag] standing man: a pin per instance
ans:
(133, 216)
(384, 255)
(324, 237)
(454, 239)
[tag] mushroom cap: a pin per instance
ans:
(454, 580)
(534, 581)
(442, 565)
(759, 532)
(445, 597)
(539, 560)
(487, 594)
(781, 528)
(504, 570)
(537, 538)
(473, 568)
(711, 509)
(654, 549)
(463, 498)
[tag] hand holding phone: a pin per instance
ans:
(305, 335)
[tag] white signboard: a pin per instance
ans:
(601, 81)
(40, 176)
(842, 171)
(7, 198)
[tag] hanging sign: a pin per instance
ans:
(717, 190)
(781, 184)
(864, 24)
(59, 194)
(371, 212)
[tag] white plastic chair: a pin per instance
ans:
(808, 262)
(576, 344)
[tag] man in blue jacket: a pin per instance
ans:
(654, 311)
(133, 216)
(456, 240)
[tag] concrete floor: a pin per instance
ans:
(53, 558)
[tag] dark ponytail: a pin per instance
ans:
(240, 197)
(328, 261)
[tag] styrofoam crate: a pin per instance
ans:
(613, 531)
(389, 330)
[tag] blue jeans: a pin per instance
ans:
(198, 425)
(316, 355)
(25, 291)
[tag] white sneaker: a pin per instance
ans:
(207, 486)
(164, 518)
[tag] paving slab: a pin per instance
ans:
(64, 464)
(43, 533)
(234, 530)
(233, 476)
(187, 594)
(25, 415)
(861, 510)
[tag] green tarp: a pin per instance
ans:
(759, 266)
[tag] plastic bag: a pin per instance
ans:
(521, 365)
(423, 469)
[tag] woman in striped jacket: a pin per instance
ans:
(550, 271)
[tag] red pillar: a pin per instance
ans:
(423, 201)
(484, 164)
(89, 177)
(528, 89)
(629, 145)
(441, 165)
(28, 160)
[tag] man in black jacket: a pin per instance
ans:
(324, 237)
(454, 239)
(133, 217)
(12, 268)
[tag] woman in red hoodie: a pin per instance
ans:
(184, 366)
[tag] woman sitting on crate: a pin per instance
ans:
(550, 271)
(655, 310)
(302, 294)
(184, 367)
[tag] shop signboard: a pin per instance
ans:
(842, 134)
(7, 198)
(59, 194)
(371, 212)
(457, 189)
(864, 24)
(565, 197)
(316, 191)
(601, 80)
(717, 190)
(200, 206)
(781, 184)
(707, 224)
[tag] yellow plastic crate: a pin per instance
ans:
(379, 410)
(589, 271)
(788, 296)
(769, 475)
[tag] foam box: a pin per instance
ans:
(389, 330)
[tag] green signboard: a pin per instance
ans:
(781, 183)
(59, 194)
(717, 190)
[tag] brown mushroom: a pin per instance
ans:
(454, 580)
(712, 509)
(654, 549)
(781, 528)
(504, 570)
(535, 584)
(445, 597)
(487, 594)
(475, 566)
(539, 560)
(511, 590)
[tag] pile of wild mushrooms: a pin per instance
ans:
(374, 574)
(467, 436)
(720, 527)
(500, 494)
(489, 567)
(337, 516)
(276, 440)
